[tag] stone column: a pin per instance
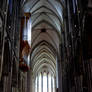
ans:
(51, 84)
(5, 83)
(47, 83)
(33, 85)
(4, 30)
(54, 84)
(59, 77)
(26, 82)
(29, 81)
(14, 89)
(42, 81)
(37, 83)
(59, 70)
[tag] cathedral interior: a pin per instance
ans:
(45, 45)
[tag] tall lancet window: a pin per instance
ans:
(45, 82)
(49, 82)
(53, 80)
(40, 82)
(36, 85)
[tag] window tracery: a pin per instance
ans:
(44, 82)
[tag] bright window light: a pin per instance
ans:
(44, 83)
(29, 31)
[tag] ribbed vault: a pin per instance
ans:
(47, 24)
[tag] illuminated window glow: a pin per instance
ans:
(45, 82)
(27, 30)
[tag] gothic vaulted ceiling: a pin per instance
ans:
(47, 24)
